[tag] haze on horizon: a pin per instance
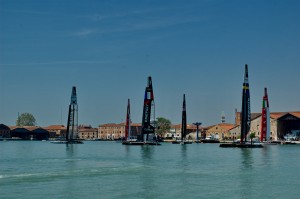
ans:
(107, 49)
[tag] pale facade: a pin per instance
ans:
(219, 131)
(175, 131)
(117, 131)
(256, 128)
(56, 130)
(87, 133)
(281, 124)
(111, 131)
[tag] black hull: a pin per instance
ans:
(139, 143)
(179, 142)
(210, 141)
(67, 142)
(238, 145)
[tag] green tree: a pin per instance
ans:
(26, 119)
(252, 135)
(163, 126)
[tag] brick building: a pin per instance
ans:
(117, 131)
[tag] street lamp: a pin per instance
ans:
(197, 124)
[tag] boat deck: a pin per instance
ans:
(139, 143)
(239, 145)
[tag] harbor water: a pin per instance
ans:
(95, 169)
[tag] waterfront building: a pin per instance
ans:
(175, 132)
(4, 131)
(87, 132)
(282, 124)
(29, 133)
(57, 131)
(117, 131)
(219, 131)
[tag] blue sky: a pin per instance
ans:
(108, 48)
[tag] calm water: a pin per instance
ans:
(33, 169)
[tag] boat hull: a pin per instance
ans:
(139, 143)
(210, 141)
(180, 142)
(238, 145)
(67, 142)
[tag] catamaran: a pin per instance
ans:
(183, 125)
(72, 126)
(265, 119)
(245, 117)
(128, 137)
(148, 136)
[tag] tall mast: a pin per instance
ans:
(268, 133)
(128, 120)
(183, 122)
(246, 112)
(265, 118)
(147, 128)
(72, 126)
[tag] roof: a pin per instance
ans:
(273, 115)
(55, 127)
(188, 126)
(88, 130)
(112, 125)
(4, 127)
(225, 126)
(119, 125)
(28, 128)
(277, 115)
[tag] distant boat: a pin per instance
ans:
(245, 117)
(128, 140)
(183, 125)
(265, 119)
(148, 136)
(72, 127)
(210, 139)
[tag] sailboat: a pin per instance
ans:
(128, 138)
(128, 122)
(148, 136)
(72, 126)
(245, 117)
(183, 125)
(265, 119)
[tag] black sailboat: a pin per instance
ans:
(147, 136)
(245, 117)
(72, 126)
(183, 125)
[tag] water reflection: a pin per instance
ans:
(247, 159)
(184, 165)
(69, 150)
(70, 166)
(246, 179)
(127, 150)
(147, 153)
(148, 176)
(183, 161)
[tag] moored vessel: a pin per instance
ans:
(245, 118)
(72, 126)
(148, 136)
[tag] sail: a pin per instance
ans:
(265, 119)
(183, 123)
(268, 133)
(246, 112)
(72, 126)
(127, 126)
(148, 110)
